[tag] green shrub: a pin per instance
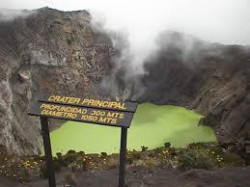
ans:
(218, 150)
(133, 155)
(59, 155)
(187, 160)
(71, 152)
(144, 148)
(198, 145)
(81, 152)
(104, 154)
(195, 158)
(167, 145)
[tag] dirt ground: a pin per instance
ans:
(142, 177)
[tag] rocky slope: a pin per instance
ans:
(49, 51)
(211, 78)
(46, 51)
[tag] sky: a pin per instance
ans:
(224, 21)
(220, 21)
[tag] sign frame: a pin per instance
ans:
(129, 111)
(101, 116)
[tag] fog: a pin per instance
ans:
(10, 14)
(142, 21)
(223, 21)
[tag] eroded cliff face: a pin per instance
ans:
(212, 79)
(47, 51)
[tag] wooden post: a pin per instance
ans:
(48, 153)
(123, 150)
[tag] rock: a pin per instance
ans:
(212, 79)
(37, 55)
(50, 51)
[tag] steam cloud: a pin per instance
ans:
(141, 24)
(8, 14)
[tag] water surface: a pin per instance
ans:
(152, 126)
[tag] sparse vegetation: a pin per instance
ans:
(144, 148)
(133, 156)
(196, 155)
(19, 168)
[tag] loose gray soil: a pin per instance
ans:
(142, 177)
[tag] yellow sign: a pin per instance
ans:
(82, 114)
(87, 102)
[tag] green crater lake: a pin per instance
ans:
(152, 126)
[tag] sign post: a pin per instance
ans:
(110, 113)
(48, 152)
(123, 150)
